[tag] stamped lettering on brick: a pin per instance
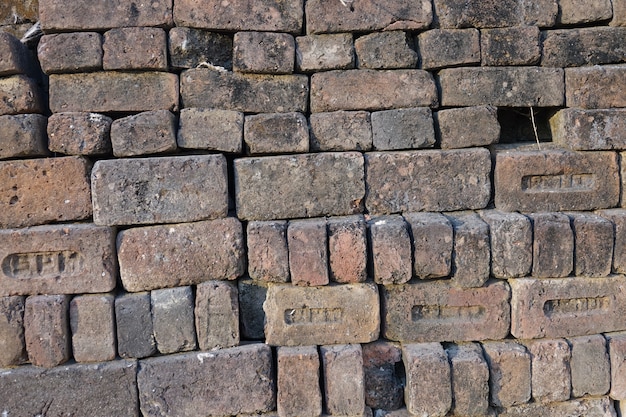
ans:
(438, 313)
(563, 182)
(576, 305)
(313, 315)
(42, 264)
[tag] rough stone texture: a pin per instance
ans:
(298, 387)
(190, 47)
(432, 237)
(135, 48)
(591, 374)
(159, 190)
(113, 91)
(12, 343)
(251, 93)
(403, 129)
(37, 191)
(617, 355)
(324, 52)
(588, 407)
(585, 46)
(135, 336)
(542, 13)
(233, 381)
(326, 16)
(250, 15)
(384, 388)
(371, 90)
(467, 127)
(430, 180)
(252, 294)
(263, 52)
(210, 129)
(278, 187)
(173, 319)
(566, 307)
(428, 390)
(507, 86)
(347, 249)
(92, 322)
(22, 135)
(276, 133)
(518, 45)
(386, 50)
(471, 253)
(344, 387)
(98, 390)
(554, 180)
(437, 311)
(217, 315)
(308, 252)
(21, 10)
(550, 368)
(46, 329)
(149, 132)
(595, 87)
(20, 94)
(79, 133)
(593, 250)
(326, 315)
(14, 56)
(341, 131)
(553, 247)
(573, 12)
(509, 373)
(618, 218)
(511, 242)
(441, 48)
(619, 13)
(581, 130)
(476, 13)
(70, 52)
(268, 255)
(391, 253)
(470, 379)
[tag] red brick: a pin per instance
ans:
(519, 45)
(133, 324)
(381, 366)
(583, 407)
(180, 254)
(617, 355)
(190, 47)
(263, 52)
(214, 130)
(595, 87)
(550, 366)
(428, 390)
(341, 131)
(585, 46)
(511, 241)
(217, 315)
(150, 132)
(441, 48)
(593, 250)
(432, 237)
(47, 331)
(173, 319)
(23, 135)
(12, 344)
(509, 373)
(590, 366)
(386, 50)
(268, 255)
(391, 252)
(467, 127)
(136, 48)
(298, 384)
(573, 12)
(70, 52)
(14, 56)
(20, 94)
(92, 322)
(37, 191)
(347, 249)
(582, 130)
(276, 133)
(618, 218)
(410, 128)
(79, 133)
(308, 252)
(471, 253)
(470, 379)
(344, 387)
(324, 52)
(553, 246)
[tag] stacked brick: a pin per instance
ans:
(320, 207)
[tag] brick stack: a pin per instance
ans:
(321, 207)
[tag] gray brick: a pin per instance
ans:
(471, 254)
(20, 94)
(23, 135)
(511, 242)
(92, 321)
(596, 129)
(341, 131)
(467, 127)
(591, 374)
(344, 387)
(252, 294)
(263, 52)
(135, 48)
(441, 48)
(553, 246)
(79, 133)
(70, 52)
(386, 50)
(403, 129)
(324, 52)
(585, 46)
(211, 129)
(173, 319)
(618, 218)
(590, 407)
(593, 249)
(470, 379)
(432, 236)
(276, 133)
(428, 388)
(518, 45)
(190, 47)
(135, 335)
(217, 315)
(573, 12)
(16, 58)
(384, 388)
(12, 343)
(595, 87)
(391, 252)
(150, 132)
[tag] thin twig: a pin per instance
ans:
(532, 119)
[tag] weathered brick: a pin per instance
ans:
(135, 48)
(252, 294)
(308, 252)
(566, 307)
(573, 12)
(341, 131)
(477, 13)
(437, 311)
(70, 52)
(432, 237)
(471, 252)
(102, 389)
(403, 129)
(448, 47)
(251, 93)
(383, 384)
(428, 388)
(507, 86)
(618, 218)
(14, 56)
(344, 387)
(391, 251)
(519, 45)
(234, 381)
(347, 249)
(553, 246)
(173, 319)
(20, 94)
(58, 15)
(439, 180)
(37, 191)
(467, 127)
(267, 16)
(217, 315)
(326, 315)
(591, 374)
(12, 10)
(580, 129)
(113, 91)
(511, 242)
(617, 356)
(133, 323)
(263, 52)
(159, 190)
(79, 133)
(150, 132)
(585, 46)
(470, 379)
(23, 135)
(298, 385)
(386, 50)
(593, 249)
(92, 322)
(371, 90)
(296, 189)
(619, 13)
(553, 180)
(276, 133)
(324, 52)
(190, 47)
(210, 129)
(589, 407)
(542, 13)
(509, 373)
(550, 369)
(268, 256)
(12, 344)
(46, 329)
(595, 87)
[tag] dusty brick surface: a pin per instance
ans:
(428, 388)
(386, 50)
(14, 56)
(511, 243)
(595, 129)
(470, 379)
(618, 218)
(263, 52)
(441, 48)
(37, 191)
(347, 249)
(595, 87)
(391, 252)
(553, 246)
(616, 343)
(308, 252)
(585, 46)
(438, 311)
(79, 133)
(279, 187)
(403, 129)
(591, 374)
(593, 250)
(236, 381)
(70, 52)
(133, 324)
(20, 94)
(46, 329)
(159, 190)
(440, 180)
(550, 368)
(11, 10)
(384, 388)
(336, 314)
(298, 384)
(590, 407)
(341, 131)
(344, 387)
(92, 322)
(173, 319)
(509, 373)
(432, 236)
(135, 48)
(12, 343)
(518, 45)
(467, 127)
(619, 13)
(471, 251)
(268, 255)
(149, 132)
(475, 13)
(210, 129)
(324, 52)
(252, 294)
(22, 135)
(566, 307)
(276, 133)
(217, 315)
(579, 11)
(189, 47)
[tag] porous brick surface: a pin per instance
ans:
(92, 322)
(214, 130)
(47, 332)
(468, 126)
(173, 319)
(70, 52)
(15, 56)
(325, 52)
(151, 132)
(403, 129)
(190, 47)
(276, 133)
(341, 131)
(79, 133)
(616, 344)
(432, 237)
(268, 254)
(344, 388)
(470, 379)
(589, 365)
(577, 11)
(617, 217)
(511, 243)
(593, 250)
(585, 46)
(20, 94)
(308, 252)
(133, 324)
(550, 369)
(347, 249)
(217, 315)
(470, 254)
(22, 135)
(12, 343)
(252, 294)
(592, 407)
(298, 385)
(553, 247)
(383, 383)
(275, 57)
(391, 243)
(135, 48)
(509, 373)
(591, 129)
(441, 48)
(595, 87)
(390, 49)
(519, 45)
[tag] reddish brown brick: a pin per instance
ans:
(585, 407)
(20, 94)
(341, 131)
(511, 241)
(12, 344)
(70, 52)
(276, 133)
(573, 12)
(470, 379)
(553, 246)
(618, 218)
(308, 252)
(593, 250)
(344, 387)
(582, 130)
(133, 324)
(190, 47)
(386, 50)
(391, 252)
(263, 52)
(347, 249)
(383, 386)
(509, 373)
(268, 256)
(468, 127)
(585, 46)
(47, 332)
(428, 390)
(519, 45)
(180, 254)
(617, 355)
(217, 315)
(79, 133)
(324, 52)
(550, 365)
(23, 135)
(432, 237)
(595, 87)
(135, 48)
(215, 130)
(150, 132)
(14, 56)
(589, 366)
(471, 253)
(298, 384)
(92, 322)
(173, 319)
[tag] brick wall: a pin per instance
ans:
(305, 208)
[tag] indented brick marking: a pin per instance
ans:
(572, 306)
(313, 315)
(425, 313)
